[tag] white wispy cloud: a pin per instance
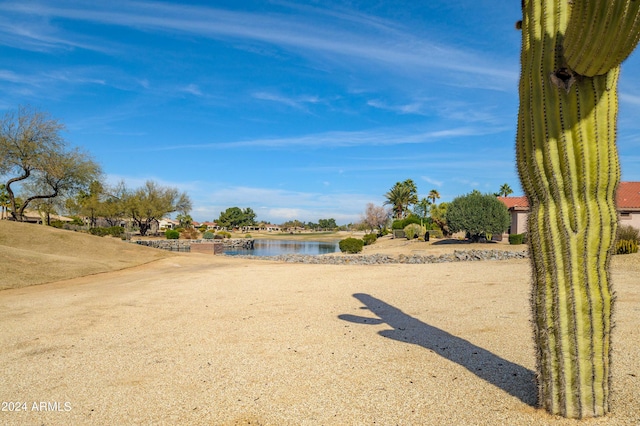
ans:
(298, 102)
(375, 137)
(435, 182)
(192, 89)
(372, 41)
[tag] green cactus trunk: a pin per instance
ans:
(568, 166)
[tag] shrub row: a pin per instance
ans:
(115, 231)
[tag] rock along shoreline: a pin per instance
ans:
(380, 259)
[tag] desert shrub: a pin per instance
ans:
(516, 239)
(102, 231)
(436, 233)
(115, 231)
(223, 234)
(172, 234)
(369, 239)
(189, 234)
(248, 236)
(627, 238)
(76, 221)
(397, 224)
(351, 245)
(383, 232)
(414, 230)
(627, 232)
(208, 235)
(410, 220)
(626, 246)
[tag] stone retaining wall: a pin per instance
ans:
(378, 259)
(200, 246)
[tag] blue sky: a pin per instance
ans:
(298, 109)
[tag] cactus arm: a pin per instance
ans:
(586, 48)
(568, 165)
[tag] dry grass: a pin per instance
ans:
(33, 254)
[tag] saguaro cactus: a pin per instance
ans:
(568, 166)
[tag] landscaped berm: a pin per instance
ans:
(201, 339)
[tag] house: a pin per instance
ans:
(211, 226)
(166, 223)
(627, 205)
(519, 210)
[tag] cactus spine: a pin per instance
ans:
(568, 166)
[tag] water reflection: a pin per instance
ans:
(278, 247)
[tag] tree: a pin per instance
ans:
(401, 196)
(505, 190)
(88, 204)
(375, 216)
(478, 214)
(433, 196)
(35, 156)
(421, 208)
(568, 165)
(235, 217)
(439, 217)
(151, 202)
(185, 220)
(327, 223)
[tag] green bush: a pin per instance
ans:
(172, 234)
(628, 232)
(397, 224)
(369, 239)
(116, 231)
(516, 239)
(222, 234)
(436, 233)
(477, 214)
(351, 245)
(383, 232)
(402, 223)
(248, 236)
(414, 230)
(626, 246)
(208, 235)
(410, 220)
(76, 221)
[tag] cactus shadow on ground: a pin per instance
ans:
(512, 378)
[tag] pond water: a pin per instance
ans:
(278, 247)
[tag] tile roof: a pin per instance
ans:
(628, 195)
(513, 202)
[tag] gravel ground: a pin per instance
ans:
(199, 339)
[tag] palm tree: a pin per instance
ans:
(505, 190)
(433, 196)
(398, 197)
